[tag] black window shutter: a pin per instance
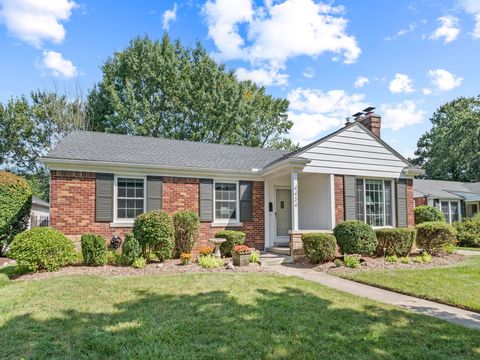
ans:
(246, 203)
(349, 183)
(206, 199)
(154, 192)
(402, 216)
(104, 197)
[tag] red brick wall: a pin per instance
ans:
(410, 204)
(72, 207)
(339, 199)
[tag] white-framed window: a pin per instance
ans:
(451, 210)
(130, 197)
(226, 204)
(374, 201)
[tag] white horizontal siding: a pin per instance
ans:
(353, 152)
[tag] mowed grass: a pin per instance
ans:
(468, 248)
(458, 284)
(214, 316)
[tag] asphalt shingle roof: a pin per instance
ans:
(445, 189)
(139, 150)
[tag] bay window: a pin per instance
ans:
(374, 202)
(130, 198)
(226, 202)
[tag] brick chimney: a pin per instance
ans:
(371, 121)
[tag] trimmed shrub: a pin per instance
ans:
(94, 250)
(355, 237)
(233, 238)
(42, 248)
(186, 225)
(319, 247)
(433, 236)
(15, 205)
(139, 263)
(427, 213)
(351, 261)
(154, 232)
(396, 241)
(210, 261)
(131, 249)
(468, 232)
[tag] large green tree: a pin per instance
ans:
(164, 89)
(30, 127)
(451, 149)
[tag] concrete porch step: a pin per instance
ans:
(279, 250)
(271, 259)
(281, 244)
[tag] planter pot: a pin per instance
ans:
(240, 259)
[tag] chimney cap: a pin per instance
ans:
(358, 114)
(369, 109)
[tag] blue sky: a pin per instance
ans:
(330, 59)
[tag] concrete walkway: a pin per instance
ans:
(468, 252)
(420, 306)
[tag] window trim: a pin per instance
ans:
(449, 201)
(127, 221)
(235, 221)
(392, 201)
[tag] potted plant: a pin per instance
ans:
(241, 255)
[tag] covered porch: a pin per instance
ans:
(297, 202)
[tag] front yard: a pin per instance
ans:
(456, 284)
(213, 316)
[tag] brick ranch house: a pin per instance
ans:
(100, 182)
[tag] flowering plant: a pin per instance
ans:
(185, 258)
(206, 250)
(242, 249)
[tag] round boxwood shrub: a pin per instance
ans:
(155, 234)
(186, 224)
(42, 248)
(94, 250)
(433, 236)
(468, 232)
(426, 213)
(131, 249)
(15, 205)
(233, 237)
(355, 237)
(319, 247)
(396, 241)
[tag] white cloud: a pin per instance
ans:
(444, 80)
(397, 116)
(448, 29)
(309, 72)
(263, 76)
(36, 21)
(426, 91)
(278, 31)
(401, 84)
(314, 111)
(411, 27)
(169, 16)
(472, 7)
(59, 66)
(361, 82)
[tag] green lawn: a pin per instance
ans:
(458, 285)
(213, 316)
(468, 248)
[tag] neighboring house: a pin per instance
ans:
(455, 199)
(40, 212)
(100, 182)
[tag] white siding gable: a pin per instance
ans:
(353, 151)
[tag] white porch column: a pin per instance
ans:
(294, 187)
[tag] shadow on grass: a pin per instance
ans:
(285, 324)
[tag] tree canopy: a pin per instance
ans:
(451, 149)
(163, 89)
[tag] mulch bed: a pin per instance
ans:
(163, 268)
(6, 261)
(378, 263)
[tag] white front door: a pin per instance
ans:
(283, 211)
